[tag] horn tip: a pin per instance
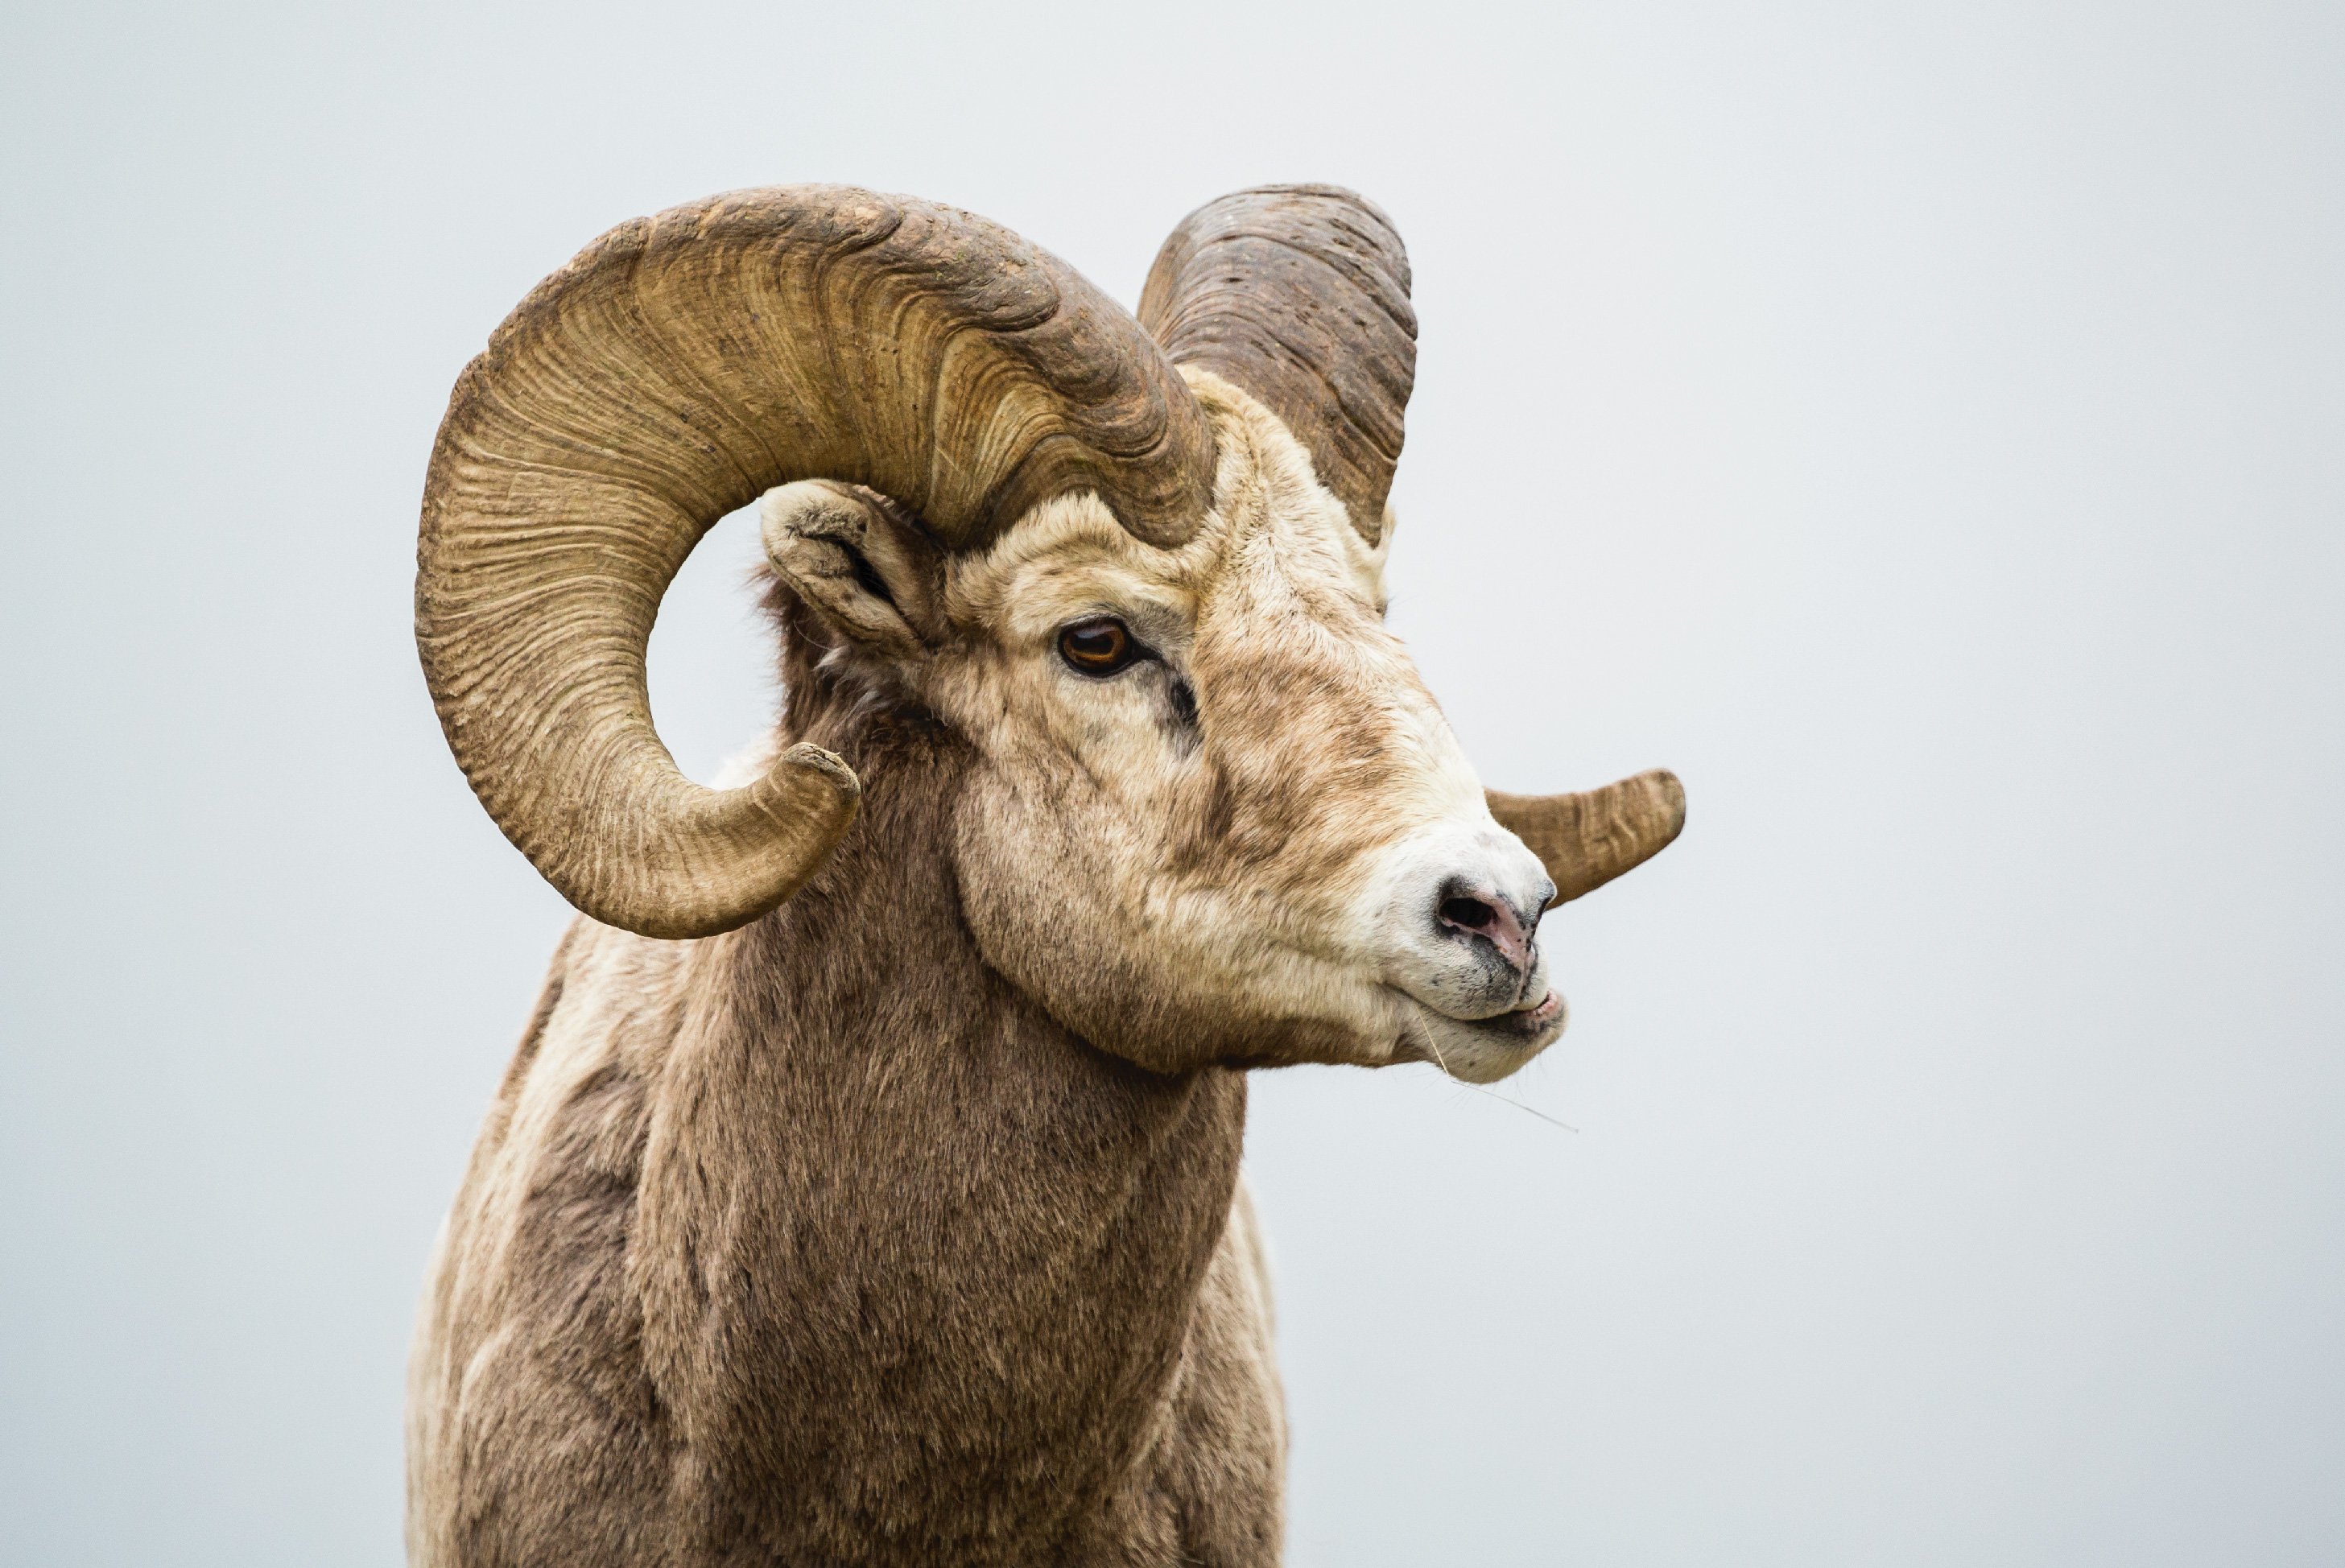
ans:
(1670, 795)
(809, 761)
(785, 826)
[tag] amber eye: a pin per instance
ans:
(1099, 647)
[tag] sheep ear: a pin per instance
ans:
(857, 561)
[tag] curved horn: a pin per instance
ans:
(678, 368)
(1586, 840)
(1299, 294)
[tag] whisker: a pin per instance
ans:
(1493, 1094)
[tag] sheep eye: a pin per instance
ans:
(1098, 647)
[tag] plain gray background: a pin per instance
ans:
(1918, 425)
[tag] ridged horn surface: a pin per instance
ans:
(1299, 294)
(1587, 839)
(678, 368)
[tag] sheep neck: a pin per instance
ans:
(916, 1262)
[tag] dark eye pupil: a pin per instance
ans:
(1095, 644)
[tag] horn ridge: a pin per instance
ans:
(1585, 839)
(1299, 294)
(673, 370)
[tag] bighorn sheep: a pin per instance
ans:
(865, 1188)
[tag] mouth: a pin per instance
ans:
(1481, 1050)
(1524, 1024)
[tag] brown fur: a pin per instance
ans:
(820, 1244)
(903, 1225)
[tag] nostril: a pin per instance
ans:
(1483, 918)
(1470, 913)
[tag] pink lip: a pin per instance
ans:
(1525, 1025)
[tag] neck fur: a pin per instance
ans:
(914, 1260)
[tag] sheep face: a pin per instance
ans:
(1214, 815)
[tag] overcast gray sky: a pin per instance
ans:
(1919, 425)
